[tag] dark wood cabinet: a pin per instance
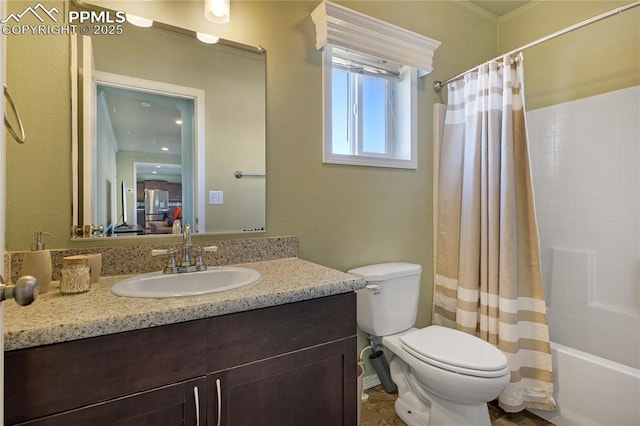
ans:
(178, 404)
(306, 387)
(140, 192)
(284, 365)
(155, 184)
(55, 378)
(175, 191)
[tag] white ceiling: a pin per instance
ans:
(143, 121)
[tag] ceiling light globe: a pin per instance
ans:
(217, 11)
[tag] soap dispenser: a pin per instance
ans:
(37, 262)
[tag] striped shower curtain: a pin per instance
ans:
(487, 262)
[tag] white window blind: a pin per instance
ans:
(362, 63)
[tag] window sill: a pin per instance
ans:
(353, 160)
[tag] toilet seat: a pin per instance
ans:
(455, 351)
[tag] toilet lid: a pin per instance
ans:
(456, 351)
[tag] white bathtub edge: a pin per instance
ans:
(612, 400)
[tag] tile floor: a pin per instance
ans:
(378, 410)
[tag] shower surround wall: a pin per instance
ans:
(586, 174)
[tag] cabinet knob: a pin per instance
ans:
(25, 291)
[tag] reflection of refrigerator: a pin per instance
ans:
(156, 204)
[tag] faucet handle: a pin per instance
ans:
(172, 264)
(200, 264)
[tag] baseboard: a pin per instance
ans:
(370, 381)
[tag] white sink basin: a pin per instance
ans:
(158, 285)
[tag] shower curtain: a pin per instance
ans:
(487, 262)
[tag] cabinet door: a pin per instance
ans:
(269, 332)
(61, 377)
(175, 191)
(155, 184)
(140, 191)
(316, 386)
(170, 405)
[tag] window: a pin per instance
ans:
(362, 119)
(369, 110)
(370, 72)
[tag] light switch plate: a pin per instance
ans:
(216, 197)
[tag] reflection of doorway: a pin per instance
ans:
(151, 124)
(158, 195)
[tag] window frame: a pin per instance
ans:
(355, 121)
(404, 128)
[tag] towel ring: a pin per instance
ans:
(21, 137)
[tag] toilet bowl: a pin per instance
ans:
(444, 376)
(456, 392)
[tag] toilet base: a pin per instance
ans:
(417, 407)
(411, 413)
(412, 405)
(445, 413)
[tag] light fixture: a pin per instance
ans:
(217, 11)
(139, 21)
(164, 148)
(178, 121)
(207, 38)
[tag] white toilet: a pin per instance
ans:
(444, 376)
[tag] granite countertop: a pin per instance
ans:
(55, 317)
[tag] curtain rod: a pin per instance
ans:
(438, 85)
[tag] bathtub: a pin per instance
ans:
(591, 390)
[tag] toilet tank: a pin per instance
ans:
(389, 302)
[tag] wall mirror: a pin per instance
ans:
(170, 129)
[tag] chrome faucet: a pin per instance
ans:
(186, 263)
(186, 235)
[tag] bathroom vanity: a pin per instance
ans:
(282, 351)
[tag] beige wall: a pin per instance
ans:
(38, 180)
(348, 216)
(345, 216)
(602, 57)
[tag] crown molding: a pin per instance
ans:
(476, 10)
(353, 30)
